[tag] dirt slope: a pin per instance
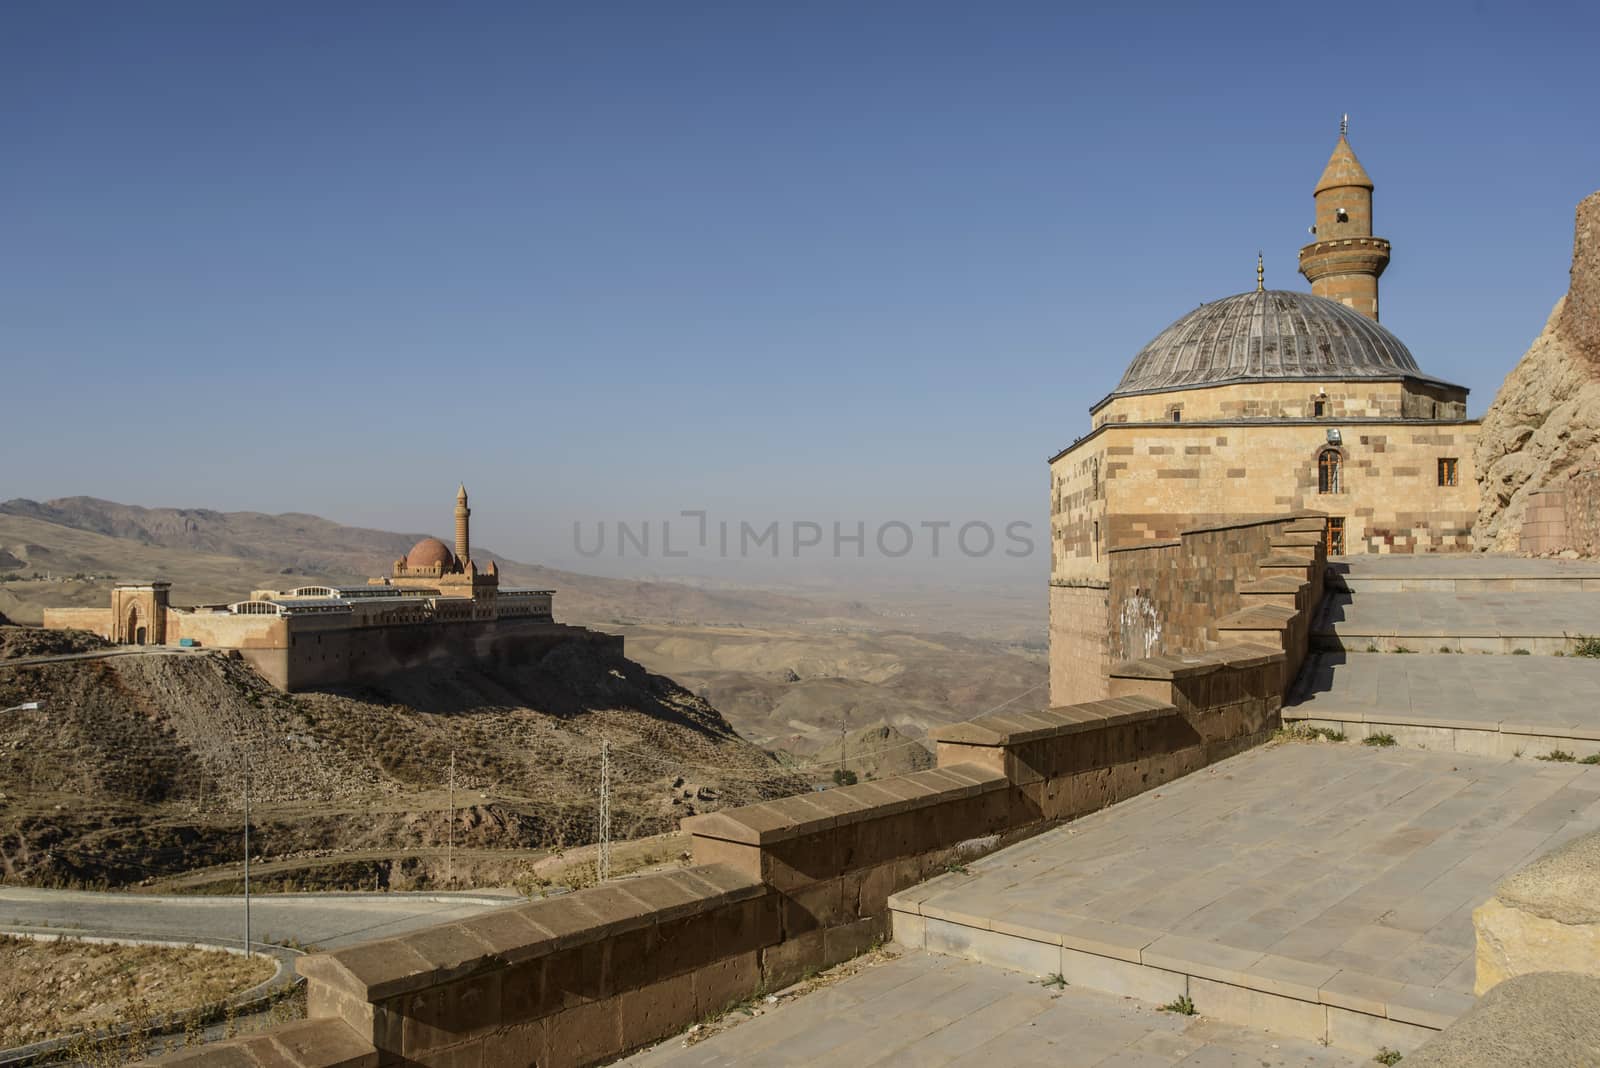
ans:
(135, 768)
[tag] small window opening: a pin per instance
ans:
(1177, 416)
(1329, 471)
(1447, 471)
(1097, 541)
(1319, 408)
(1336, 536)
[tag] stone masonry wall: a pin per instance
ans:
(1080, 647)
(1564, 517)
(1410, 399)
(1178, 476)
(93, 620)
(1166, 597)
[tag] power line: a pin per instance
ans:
(450, 829)
(602, 856)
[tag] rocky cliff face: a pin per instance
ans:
(1544, 426)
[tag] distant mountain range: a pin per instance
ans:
(212, 556)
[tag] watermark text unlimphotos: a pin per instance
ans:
(695, 533)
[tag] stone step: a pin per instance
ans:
(1274, 584)
(1281, 589)
(1537, 624)
(1279, 564)
(1258, 617)
(1504, 707)
(1467, 583)
(1328, 640)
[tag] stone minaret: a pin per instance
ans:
(1345, 260)
(463, 513)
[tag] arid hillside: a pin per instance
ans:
(784, 667)
(792, 688)
(135, 767)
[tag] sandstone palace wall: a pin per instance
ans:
(317, 659)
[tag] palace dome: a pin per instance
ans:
(430, 552)
(1267, 334)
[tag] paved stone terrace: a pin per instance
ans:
(1428, 620)
(1532, 703)
(1462, 565)
(925, 1010)
(1332, 873)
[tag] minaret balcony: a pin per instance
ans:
(1344, 255)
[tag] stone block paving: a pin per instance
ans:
(1512, 614)
(1462, 565)
(926, 1010)
(1302, 868)
(1538, 695)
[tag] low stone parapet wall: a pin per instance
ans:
(569, 980)
(1063, 762)
(833, 858)
(1231, 698)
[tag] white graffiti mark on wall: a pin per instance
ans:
(1140, 627)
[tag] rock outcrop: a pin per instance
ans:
(1544, 425)
(1543, 918)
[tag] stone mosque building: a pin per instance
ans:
(1262, 404)
(434, 604)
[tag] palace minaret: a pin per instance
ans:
(463, 540)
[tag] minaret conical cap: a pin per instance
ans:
(1343, 169)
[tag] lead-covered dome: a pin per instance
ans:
(1267, 334)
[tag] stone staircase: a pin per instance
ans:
(1278, 607)
(1488, 632)
(1483, 604)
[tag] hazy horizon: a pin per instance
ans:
(823, 265)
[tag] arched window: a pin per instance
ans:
(1329, 464)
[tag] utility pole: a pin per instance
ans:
(450, 831)
(247, 850)
(602, 857)
(843, 719)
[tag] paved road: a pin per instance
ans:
(322, 920)
(102, 654)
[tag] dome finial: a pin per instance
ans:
(1261, 272)
(1344, 125)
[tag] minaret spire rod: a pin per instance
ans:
(1344, 125)
(1261, 272)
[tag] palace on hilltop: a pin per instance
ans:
(435, 602)
(1264, 403)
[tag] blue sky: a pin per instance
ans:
(830, 261)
